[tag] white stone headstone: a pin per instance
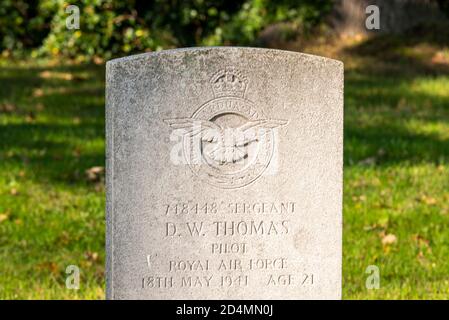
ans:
(224, 175)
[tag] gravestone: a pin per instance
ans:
(224, 175)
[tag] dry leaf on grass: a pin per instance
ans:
(56, 75)
(441, 57)
(38, 93)
(49, 266)
(95, 173)
(7, 107)
(389, 239)
(361, 198)
(76, 120)
(428, 200)
(370, 161)
(30, 117)
(45, 74)
(3, 217)
(92, 256)
(98, 60)
(61, 76)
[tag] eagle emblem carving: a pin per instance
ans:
(223, 145)
(228, 141)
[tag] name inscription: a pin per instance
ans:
(238, 263)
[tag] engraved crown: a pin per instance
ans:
(229, 82)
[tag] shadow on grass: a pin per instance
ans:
(54, 127)
(397, 98)
(391, 144)
(410, 54)
(52, 153)
(392, 119)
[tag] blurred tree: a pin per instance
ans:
(444, 6)
(116, 27)
(23, 24)
(396, 16)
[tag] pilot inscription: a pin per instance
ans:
(228, 142)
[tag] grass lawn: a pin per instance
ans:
(396, 178)
(52, 214)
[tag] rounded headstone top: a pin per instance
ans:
(224, 49)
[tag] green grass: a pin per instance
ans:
(396, 178)
(51, 132)
(396, 181)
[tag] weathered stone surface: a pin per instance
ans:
(224, 175)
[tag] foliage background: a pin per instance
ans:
(112, 28)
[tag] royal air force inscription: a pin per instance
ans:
(234, 211)
(261, 219)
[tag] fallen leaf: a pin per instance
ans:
(441, 57)
(38, 93)
(3, 217)
(50, 266)
(389, 239)
(95, 173)
(92, 256)
(361, 198)
(370, 227)
(66, 76)
(97, 60)
(56, 75)
(30, 117)
(7, 107)
(368, 161)
(420, 239)
(45, 74)
(428, 200)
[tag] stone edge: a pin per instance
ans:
(144, 55)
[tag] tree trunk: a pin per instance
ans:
(396, 16)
